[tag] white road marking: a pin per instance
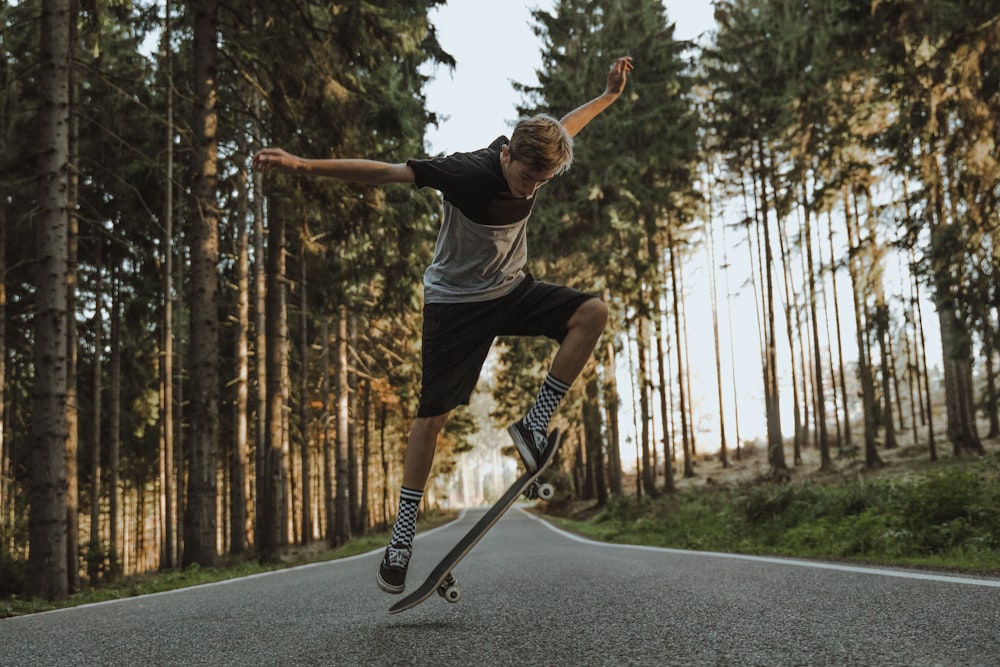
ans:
(883, 572)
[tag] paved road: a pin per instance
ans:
(536, 595)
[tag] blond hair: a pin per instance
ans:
(542, 144)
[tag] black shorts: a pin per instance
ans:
(457, 337)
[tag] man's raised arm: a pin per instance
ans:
(578, 118)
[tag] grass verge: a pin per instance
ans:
(158, 582)
(943, 518)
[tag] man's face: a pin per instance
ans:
(523, 182)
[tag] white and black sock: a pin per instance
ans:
(405, 528)
(549, 397)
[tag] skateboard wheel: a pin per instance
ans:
(452, 594)
(449, 589)
(546, 491)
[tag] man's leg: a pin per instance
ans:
(420, 448)
(417, 462)
(583, 330)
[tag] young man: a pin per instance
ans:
(476, 289)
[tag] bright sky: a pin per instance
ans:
(493, 45)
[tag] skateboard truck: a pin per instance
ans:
(449, 589)
(540, 491)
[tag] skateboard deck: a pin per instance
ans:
(440, 579)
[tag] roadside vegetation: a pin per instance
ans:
(945, 516)
(194, 575)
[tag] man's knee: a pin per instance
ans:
(592, 315)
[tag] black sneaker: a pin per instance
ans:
(392, 571)
(531, 444)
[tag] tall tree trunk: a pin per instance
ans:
(858, 285)
(681, 384)
(271, 483)
(386, 510)
(304, 460)
(647, 473)
(826, 462)
(716, 340)
(960, 399)
(611, 402)
(353, 486)
(168, 486)
(200, 518)
(956, 340)
(912, 381)
(848, 440)
(636, 372)
(664, 378)
(683, 343)
(888, 412)
(593, 444)
(6, 496)
(342, 518)
(772, 408)
(94, 547)
(924, 373)
(897, 391)
(182, 311)
(881, 325)
(364, 511)
(329, 458)
(262, 258)
(239, 491)
(114, 427)
(288, 471)
(791, 325)
(732, 346)
(72, 393)
(830, 360)
(47, 576)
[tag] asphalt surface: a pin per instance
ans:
(532, 594)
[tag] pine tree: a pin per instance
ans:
(47, 564)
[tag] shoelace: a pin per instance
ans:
(398, 557)
(541, 442)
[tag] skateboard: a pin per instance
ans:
(440, 580)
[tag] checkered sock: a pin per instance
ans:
(406, 518)
(548, 399)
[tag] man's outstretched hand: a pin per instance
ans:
(617, 77)
(273, 158)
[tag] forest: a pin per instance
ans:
(203, 362)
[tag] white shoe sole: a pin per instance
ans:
(387, 587)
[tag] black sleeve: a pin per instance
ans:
(459, 171)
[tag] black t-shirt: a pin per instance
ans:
(475, 184)
(481, 247)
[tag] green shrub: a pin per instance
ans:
(948, 517)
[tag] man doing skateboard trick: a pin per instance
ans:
(476, 288)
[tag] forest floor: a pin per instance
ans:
(749, 464)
